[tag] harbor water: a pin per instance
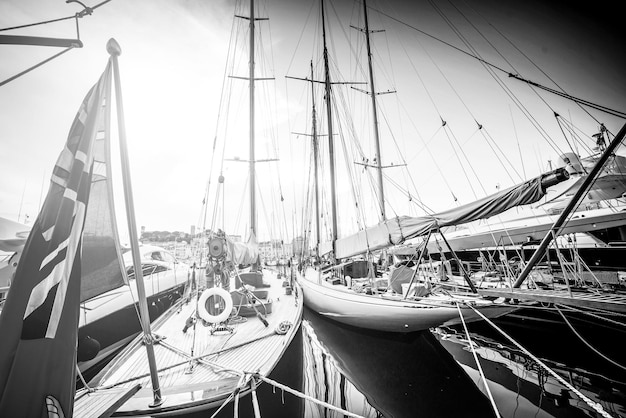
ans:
(434, 374)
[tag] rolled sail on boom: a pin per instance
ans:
(397, 230)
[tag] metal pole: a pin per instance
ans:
(252, 172)
(465, 275)
(417, 264)
(572, 204)
(331, 152)
(315, 163)
(115, 50)
(381, 197)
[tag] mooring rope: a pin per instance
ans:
(305, 396)
(480, 369)
(596, 406)
(200, 358)
(580, 337)
(243, 382)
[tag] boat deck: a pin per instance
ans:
(615, 302)
(101, 403)
(200, 367)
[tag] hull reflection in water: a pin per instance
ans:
(381, 374)
(521, 387)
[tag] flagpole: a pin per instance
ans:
(114, 49)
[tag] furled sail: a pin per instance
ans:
(244, 253)
(397, 230)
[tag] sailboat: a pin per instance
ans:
(212, 346)
(347, 292)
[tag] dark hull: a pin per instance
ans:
(605, 258)
(119, 327)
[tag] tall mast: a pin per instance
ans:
(252, 171)
(381, 196)
(331, 152)
(315, 163)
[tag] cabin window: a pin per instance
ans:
(156, 256)
(146, 269)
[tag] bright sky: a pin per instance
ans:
(172, 66)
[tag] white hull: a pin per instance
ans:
(528, 228)
(390, 313)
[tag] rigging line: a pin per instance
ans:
(493, 66)
(571, 147)
(532, 62)
(346, 37)
(400, 154)
(430, 97)
(464, 40)
(502, 85)
(596, 406)
(577, 133)
(434, 160)
(580, 337)
(494, 48)
(418, 203)
(478, 365)
(8, 80)
(519, 149)
(596, 106)
(268, 218)
(582, 141)
(226, 84)
(467, 159)
(41, 23)
(589, 311)
(305, 396)
(456, 154)
(493, 143)
(299, 39)
(350, 169)
(436, 39)
(82, 13)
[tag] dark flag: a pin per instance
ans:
(39, 321)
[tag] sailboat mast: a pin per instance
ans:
(315, 168)
(331, 152)
(252, 156)
(381, 195)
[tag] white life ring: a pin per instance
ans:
(215, 291)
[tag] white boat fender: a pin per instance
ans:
(204, 313)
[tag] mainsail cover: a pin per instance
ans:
(397, 230)
(244, 253)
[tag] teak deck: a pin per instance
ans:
(200, 370)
